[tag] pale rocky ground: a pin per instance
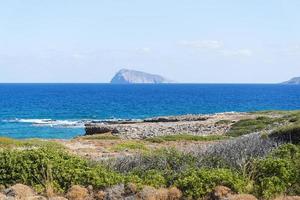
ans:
(203, 125)
(170, 125)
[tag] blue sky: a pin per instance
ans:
(204, 41)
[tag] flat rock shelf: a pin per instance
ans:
(202, 125)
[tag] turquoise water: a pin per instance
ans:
(60, 110)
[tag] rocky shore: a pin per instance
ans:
(202, 125)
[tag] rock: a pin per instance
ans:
(115, 193)
(91, 129)
(37, 198)
(293, 81)
(20, 192)
(288, 198)
(126, 76)
(77, 192)
(132, 197)
(162, 194)
(100, 195)
(225, 193)
(147, 193)
(57, 198)
(242, 197)
(174, 193)
(221, 193)
(202, 125)
(2, 197)
(131, 188)
(2, 188)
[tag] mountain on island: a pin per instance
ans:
(126, 76)
(293, 81)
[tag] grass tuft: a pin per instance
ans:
(186, 137)
(130, 145)
(29, 143)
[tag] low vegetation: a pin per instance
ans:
(101, 137)
(289, 134)
(267, 120)
(29, 143)
(130, 146)
(263, 165)
(46, 166)
(186, 137)
(247, 126)
(50, 167)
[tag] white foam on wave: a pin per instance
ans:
(51, 122)
(63, 123)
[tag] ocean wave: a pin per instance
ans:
(62, 123)
(50, 122)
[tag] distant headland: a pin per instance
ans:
(293, 81)
(126, 76)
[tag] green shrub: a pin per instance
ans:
(28, 143)
(286, 134)
(196, 183)
(101, 137)
(247, 126)
(154, 178)
(273, 176)
(43, 166)
(223, 122)
(185, 137)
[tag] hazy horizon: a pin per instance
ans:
(189, 42)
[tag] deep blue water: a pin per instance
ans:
(58, 110)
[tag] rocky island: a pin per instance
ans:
(293, 81)
(126, 76)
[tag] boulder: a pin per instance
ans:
(131, 188)
(242, 197)
(174, 193)
(91, 129)
(162, 194)
(220, 193)
(2, 197)
(100, 195)
(37, 198)
(288, 198)
(115, 193)
(57, 198)
(147, 193)
(20, 192)
(77, 192)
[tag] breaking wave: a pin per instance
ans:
(51, 122)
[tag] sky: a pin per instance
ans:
(189, 41)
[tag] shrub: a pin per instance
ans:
(48, 166)
(234, 153)
(101, 137)
(278, 173)
(28, 143)
(196, 183)
(288, 134)
(185, 137)
(152, 178)
(247, 126)
(162, 159)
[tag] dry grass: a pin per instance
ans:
(28, 143)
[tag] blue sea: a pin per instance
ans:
(60, 110)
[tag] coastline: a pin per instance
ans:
(110, 164)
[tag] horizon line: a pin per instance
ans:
(183, 83)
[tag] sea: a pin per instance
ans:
(59, 111)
